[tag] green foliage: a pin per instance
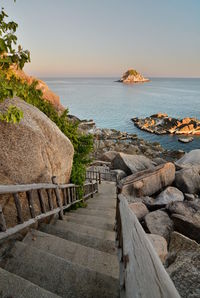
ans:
(78, 205)
(8, 44)
(132, 72)
(12, 115)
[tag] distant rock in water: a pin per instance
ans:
(132, 76)
(186, 140)
(163, 124)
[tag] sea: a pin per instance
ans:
(112, 105)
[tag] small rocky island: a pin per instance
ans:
(132, 76)
(163, 124)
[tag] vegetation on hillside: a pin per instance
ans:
(131, 72)
(11, 86)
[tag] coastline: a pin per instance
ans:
(97, 97)
(106, 139)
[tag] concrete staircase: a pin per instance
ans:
(72, 258)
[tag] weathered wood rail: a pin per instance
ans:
(141, 271)
(64, 195)
(99, 176)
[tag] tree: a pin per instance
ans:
(8, 44)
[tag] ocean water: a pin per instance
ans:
(112, 105)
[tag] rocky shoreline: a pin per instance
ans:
(161, 124)
(109, 140)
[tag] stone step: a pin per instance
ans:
(81, 228)
(100, 207)
(94, 212)
(64, 231)
(12, 286)
(104, 203)
(88, 257)
(58, 275)
(107, 188)
(93, 221)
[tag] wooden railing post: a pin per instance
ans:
(2, 221)
(58, 198)
(49, 199)
(59, 204)
(18, 208)
(92, 189)
(99, 178)
(41, 200)
(29, 195)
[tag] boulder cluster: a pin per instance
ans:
(107, 141)
(165, 198)
(163, 124)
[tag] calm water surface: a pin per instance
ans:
(112, 105)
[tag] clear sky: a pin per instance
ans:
(106, 37)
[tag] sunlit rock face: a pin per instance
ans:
(34, 150)
(132, 76)
(48, 95)
(163, 124)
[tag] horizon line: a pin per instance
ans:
(115, 77)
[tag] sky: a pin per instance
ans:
(158, 38)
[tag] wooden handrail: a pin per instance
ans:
(141, 271)
(99, 176)
(66, 195)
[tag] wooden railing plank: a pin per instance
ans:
(4, 189)
(143, 273)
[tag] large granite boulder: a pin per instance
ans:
(109, 155)
(131, 163)
(149, 182)
(186, 218)
(119, 174)
(139, 209)
(160, 245)
(185, 270)
(159, 223)
(188, 179)
(34, 150)
(189, 159)
(170, 194)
